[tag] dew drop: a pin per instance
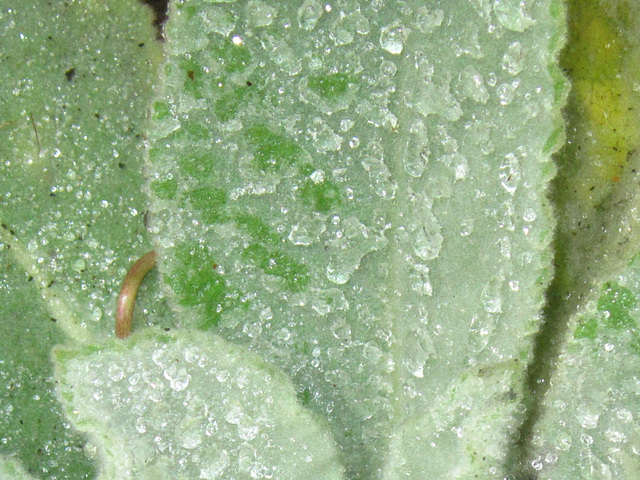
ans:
(491, 295)
(427, 240)
(309, 14)
(214, 467)
(260, 14)
(510, 173)
(393, 36)
(178, 378)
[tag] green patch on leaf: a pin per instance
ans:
(305, 396)
(165, 189)
(209, 203)
(205, 287)
(294, 275)
(587, 328)
(235, 58)
(330, 86)
(161, 110)
(617, 300)
(197, 131)
(272, 150)
(259, 231)
(193, 77)
(320, 193)
(197, 166)
(226, 107)
(323, 196)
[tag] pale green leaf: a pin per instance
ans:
(190, 405)
(10, 469)
(356, 191)
(76, 77)
(587, 423)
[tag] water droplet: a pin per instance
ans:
(284, 56)
(140, 426)
(219, 20)
(481, 326)
(373, 163)
(338, 273)
(471, 85)
(507, 92)
(324, 301)
(419, 279)
(510, 173)
(427, 240)
(512, 14)
(371, 353)
(466, 227)
(513, 60)
(78, 266)
(349, 240)
(393, 36)
(309, 14)
(260, 14)
(188, 433)
(492, 295)
(428, 20)
(529, 215)
(586, 439)
(324, 138)
(214, 464)
(388, 68)
(587, 419)
(419, 347)
(115, 372)
(346, 124)
(341, 330)
(348, 26)
(436, 98)
(178, 378)
(234, 415)
(537, 464)
(307, 230)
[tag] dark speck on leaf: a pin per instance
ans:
(70, 74)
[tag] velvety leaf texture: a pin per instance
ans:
(190, 405)
(379, 258)
(356, 192)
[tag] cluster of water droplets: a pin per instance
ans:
(372, 190)
(193, 407)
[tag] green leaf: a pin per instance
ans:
(190, 405)
(585, 426)
(76, 79)
(354, 191)
(363, 205)
(10, 469)
(589, 428)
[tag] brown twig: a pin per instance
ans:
(128, 292)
